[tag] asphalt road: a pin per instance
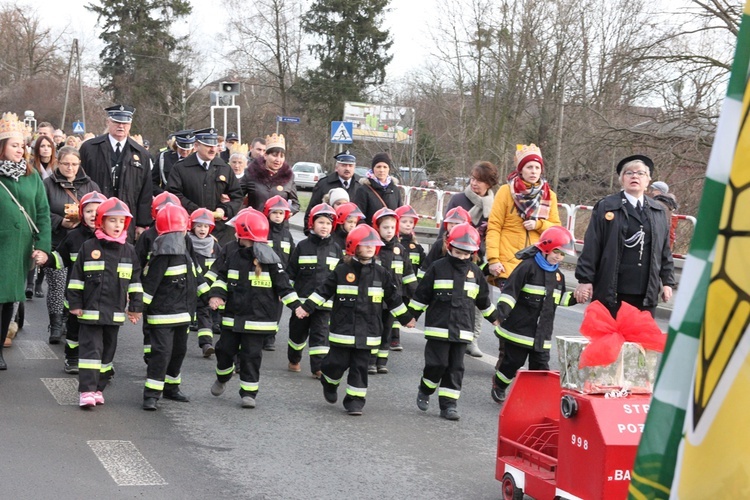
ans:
(294, 445)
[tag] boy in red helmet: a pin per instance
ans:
(455, 216)
(250, 280)
(170, 286)
(105, 279)
(348, 216)
(358, 288)
(450, 291)
(408, 219)
(526, 307)
(205, 251)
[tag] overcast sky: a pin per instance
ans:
(407, 23)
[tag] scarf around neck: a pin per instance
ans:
(104, 236)
(543, 263)
(371, 175)
(202, 246)
(482, 205)
(532, 202)
(12, 169)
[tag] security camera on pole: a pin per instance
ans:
(223, 100)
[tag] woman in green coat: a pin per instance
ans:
(24, 234)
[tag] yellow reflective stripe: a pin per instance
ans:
(58, 260)
(399, 310)
(176, 270)
(398, 266)
(357, 392)
(93, 265)
(503, 378)
(409, 278)
(220, 284)
(373, 341)
(508, 299)
(443, 285)
(147, 298)
(433, 331)
(286, 247)
(444, 392)
(534, 289)
(263, 280)
(417, 306)
(376, 293)
(203, 288)
(320, 350)
(332, 262)
(173, 380)
(225, 371)
(90, 364)
(420, 274)
(566, 299)
(429, 383)
(307, 259)
(518, 339)
(226, 321)
(210, 276)
(135, 288)
(89, 315)
(124, 270)
(75, 285)
(169, 319)
(73, 257)
(233, 274)
(471, 289)
(157, 385)
(270, 326)
(296, 346)
(249, 386)
(414, 258)
(289, 298)
(118, 317)
(342, 339)
(316, 299)
(488, 311)
(347, 290)
(466, 335)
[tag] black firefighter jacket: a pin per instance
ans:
(105, 275)
(394, 257)
(135, 178)
(450, 291)
(280, 239)
(526, 308)
(311, 263)
(358, 292)
(252, 300)
(171, 283)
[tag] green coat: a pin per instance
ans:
(15, 235)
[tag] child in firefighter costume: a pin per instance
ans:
(450, 291)
(205, 251)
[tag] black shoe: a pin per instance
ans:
(38, 292)
(55, 328)
(450, 413)
(331, 395)
(208, 350)
(149, 404)
(423, 401)
(372, 370)
(382, 369)
(3, 366)
(71, 366)
(498, 395)
(177, 396)
(29, 293)
(269, 347)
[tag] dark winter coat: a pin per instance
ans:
(324, 185)
(197, 188)
(358, 292)
(526, 308)
(105, 275)
(311, 263)
(135, 181)
(56, 186)
(450, 291)
(416, 250)
(259, 184)
(162, 167)
(252, 302)
(368, 201)
(394, 257)
(599, 262)
(66, 253)
(280, 239)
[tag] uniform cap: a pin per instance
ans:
(121, 113)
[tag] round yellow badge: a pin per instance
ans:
(95, 254)
(609, 215)
(279, 188)
(136, 158)
(222, 178)
(350, 277)
(412, 245)
(397, 251)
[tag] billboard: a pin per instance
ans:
(380, 123)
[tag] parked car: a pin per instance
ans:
(361, 171)
(307, 174)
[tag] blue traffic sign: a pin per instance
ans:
(78, 128)
(341, 132)
(288, 119)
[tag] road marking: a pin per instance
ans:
(35, 349)
(64, 390)
(125, 463)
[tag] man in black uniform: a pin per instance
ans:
(342, 177)
(231, 140)
(121, 167)
(203, 180)
(182, 146)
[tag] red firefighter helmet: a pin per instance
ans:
(407, 211)
(277, 203)
(162, 199)
(92, 197)
(203, 216)
(347, 210)
(465, 237)
(251, 225)
(323, 209)
(113, 207)
(457, 215)
(384, 212)
(362, 235)
(556, 238)
(172, 218)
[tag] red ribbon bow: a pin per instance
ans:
(607, 334)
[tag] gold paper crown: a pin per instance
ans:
(275, 141)
(523, 150)
(10, 126)
(239, 148)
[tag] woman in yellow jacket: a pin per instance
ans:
(522, 210)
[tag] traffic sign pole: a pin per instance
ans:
(286, 119)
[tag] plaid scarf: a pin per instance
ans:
(12, 169)
(532, 202)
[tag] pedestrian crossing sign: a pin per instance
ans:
(341, 132)
(78, 128)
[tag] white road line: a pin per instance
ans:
(125, 463)
(64, 390)
(35, 349)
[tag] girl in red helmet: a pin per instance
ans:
(348, 216)
(450, 291)
(407, 221)
(526, 307)
(65, 255)
(358, 288)
(250, 280)
(105, 279)
(205, 251)
(453, 217)
(171, 284)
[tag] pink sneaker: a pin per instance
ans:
(87, 399)
(99, 397)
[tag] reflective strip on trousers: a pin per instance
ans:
(249, 386)
(357, 392)
(444, 392)
(320, 350)
(157, 385)
(169, 319)
(429, 383)
(295, 346)
(173, 380)
(90, 364)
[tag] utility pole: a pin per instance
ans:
(74, 52)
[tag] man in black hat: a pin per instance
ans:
(121, 167)
(181, 145)
(343, 177)
(231, 140)
(203, 180)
